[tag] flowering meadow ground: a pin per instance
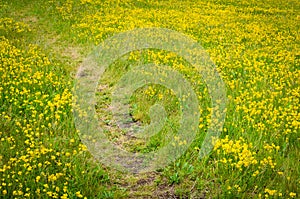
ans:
(255, 46)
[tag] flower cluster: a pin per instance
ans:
(34, 101)
(237, 154)
(9, 25)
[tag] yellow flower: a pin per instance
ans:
(270, 192)
(78, 194)
(37, 179)
(255, 173)
(64, 196)
(68, 154)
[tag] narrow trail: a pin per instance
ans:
(145, 185)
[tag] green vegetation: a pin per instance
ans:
(255, 46)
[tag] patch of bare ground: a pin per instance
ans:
(145, 186)
(30, 19)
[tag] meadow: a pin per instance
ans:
(255, 46)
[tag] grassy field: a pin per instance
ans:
(255, 46)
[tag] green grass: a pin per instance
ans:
(255, 46)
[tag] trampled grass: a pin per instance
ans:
(255, 46)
